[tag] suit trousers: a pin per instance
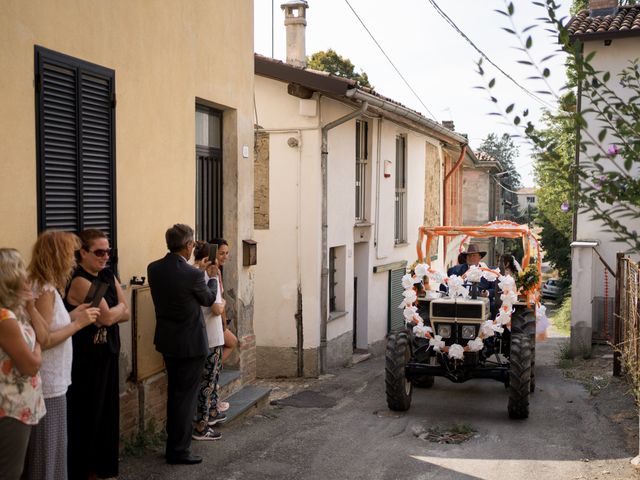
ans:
(183, 376)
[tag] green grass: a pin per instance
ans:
(150, 440)
(562, 317)
(564, 356)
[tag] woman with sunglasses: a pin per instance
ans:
(93, 397)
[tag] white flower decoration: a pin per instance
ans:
(421, 270)
(507, 283)
(435, 276)
(456, 288)
(410, 293)
(509, 298)
(486, 329)
(504, 317)
(475, 345)
(497, 328)
(437, 343)
(456, 352)
(491, 276)
(407, 281)
(474, 274)
(421, 331)
(409, 313)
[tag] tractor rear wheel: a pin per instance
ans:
(398, 388)
(519, 376)
(525, 322)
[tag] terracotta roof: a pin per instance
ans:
(623, 22)
(314, 77)
(327, 82)
(527, 191)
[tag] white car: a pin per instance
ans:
(552, 288)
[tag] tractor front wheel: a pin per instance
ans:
(398, 388)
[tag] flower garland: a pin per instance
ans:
(456, 289)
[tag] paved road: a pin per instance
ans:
(358, 438)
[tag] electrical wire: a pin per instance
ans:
(390, 61)
(484, 55)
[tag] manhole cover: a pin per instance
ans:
(306, 399)
(450, 434)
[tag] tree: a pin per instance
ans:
(604, 183)
(555, 184)
(504, 150)
(330, 61)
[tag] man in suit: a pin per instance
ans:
(178, 291)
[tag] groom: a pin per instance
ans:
(178, 291)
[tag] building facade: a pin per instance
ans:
(113, 121)
(344, 178)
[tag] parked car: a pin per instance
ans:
(552, 288)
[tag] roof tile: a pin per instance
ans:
(625, 20)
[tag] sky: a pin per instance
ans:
(435, 60)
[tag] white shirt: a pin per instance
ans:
(215, 332)
(56, 362)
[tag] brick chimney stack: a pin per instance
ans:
(295, 21)
(603, 6)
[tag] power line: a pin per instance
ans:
(387, 57)
(484, 55)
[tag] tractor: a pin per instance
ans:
(455, 336)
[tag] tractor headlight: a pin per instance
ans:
(444, 331)
(468, 332)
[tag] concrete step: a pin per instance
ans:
(230, 382)
(359, 357)
(247, 401)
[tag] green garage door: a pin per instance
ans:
(396, 318)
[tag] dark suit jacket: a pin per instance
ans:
(178, 291)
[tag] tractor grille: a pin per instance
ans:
(457, 310)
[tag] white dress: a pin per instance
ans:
(215, 332)
(56, 362)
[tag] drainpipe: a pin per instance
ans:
(324, 275)
(445, 182)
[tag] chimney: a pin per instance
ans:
(295, 21)
(602, 7)
(449, 124)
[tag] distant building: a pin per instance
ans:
(527, 200)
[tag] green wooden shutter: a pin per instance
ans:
(396, 317)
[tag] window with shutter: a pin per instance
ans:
(75, 103)
(208, 173)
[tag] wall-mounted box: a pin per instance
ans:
(249, 252)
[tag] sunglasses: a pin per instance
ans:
(101, 252)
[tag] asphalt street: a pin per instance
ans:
(354, 436)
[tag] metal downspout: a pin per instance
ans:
(445, 182)
(324, 274)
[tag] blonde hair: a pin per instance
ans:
(53, 259)
(13, 277)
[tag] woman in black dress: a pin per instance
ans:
(93, 403)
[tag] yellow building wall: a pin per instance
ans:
(165, 54)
